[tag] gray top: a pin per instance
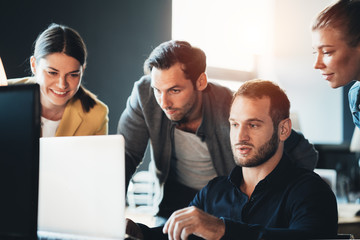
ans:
(193, 166)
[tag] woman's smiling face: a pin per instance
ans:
(59, 77)
(337, 61)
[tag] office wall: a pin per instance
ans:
(119, 35)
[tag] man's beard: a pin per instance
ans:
(265, 152)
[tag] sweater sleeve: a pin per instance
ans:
(133, 127)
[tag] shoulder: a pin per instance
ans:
(217, 100)
(301, 151)
(218, 90)
(142, 89)
(216, 184)
(355, 87)
(143, 86)
(306, 182)
(212, 191)
(142, 96)
(25, 80)
(99, 106)
(100, 109)
(354, 95)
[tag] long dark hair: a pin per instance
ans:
(62, 39)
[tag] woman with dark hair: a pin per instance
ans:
(336, 41)
(58, 64)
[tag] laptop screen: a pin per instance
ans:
(3, 78)
(82, 187)
(19, 160)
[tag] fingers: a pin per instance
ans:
(181, 223)
(192, 220)
(177, 214)
(181, 229)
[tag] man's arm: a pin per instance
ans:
(133, 127)
(301, 151)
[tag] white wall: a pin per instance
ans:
(290, 62)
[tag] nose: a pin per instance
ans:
(242, 134)
(62, 83)
(319, 64)
(164, 101)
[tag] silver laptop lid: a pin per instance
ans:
(82, 186)
(3, 79)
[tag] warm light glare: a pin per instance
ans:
(230, 32)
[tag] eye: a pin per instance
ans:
(253, 125)
(52, 73)
(174, 91)
(234, 124)
(75, 75)
(329, 53)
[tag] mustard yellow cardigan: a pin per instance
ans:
(76, 122)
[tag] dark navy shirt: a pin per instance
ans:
(290, 203)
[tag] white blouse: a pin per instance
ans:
(49, 127)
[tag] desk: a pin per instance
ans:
(144, 215)
(348, 222)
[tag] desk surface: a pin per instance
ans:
(348, 222)
(347, 212)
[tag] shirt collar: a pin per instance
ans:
(236, 176)
(354, 97)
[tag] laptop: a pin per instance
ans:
(19, 160)
(82, 187)
(3, 77)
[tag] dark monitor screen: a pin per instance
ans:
(19, 160)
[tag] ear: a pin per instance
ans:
(33, 64)
(201, 82)
(284, 129)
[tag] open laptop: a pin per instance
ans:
(3, 77)
(82, 188)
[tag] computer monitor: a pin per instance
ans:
(19, 160)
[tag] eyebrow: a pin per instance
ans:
(175, 86)
(324, 46)
(248, 120)
(75, 71)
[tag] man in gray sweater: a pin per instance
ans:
(186, 120)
